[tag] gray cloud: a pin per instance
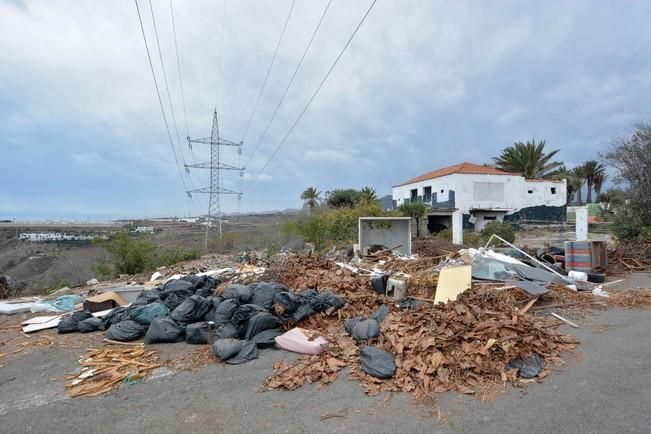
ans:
(424, 84)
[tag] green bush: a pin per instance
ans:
(176, 254)
(472, 239)
(130, 255)
(57, 285)
(332, 226)
(504, 230)
(104, 269)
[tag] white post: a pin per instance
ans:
(582, 223)
(457, 227)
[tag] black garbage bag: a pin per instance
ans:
(367, 328)
(266, 338)
(248, 352)
(214, 302)
(191, 310)
(234, 351)
(164, 331)
(285, 303)
(204, 285)
(325, 301)
(147, 296)
(263, 294)
(67, 325)
(115, 316)
(245, 312)
(89, 325)
(81, 315)
(381, 313)
(225, 349)
(260, 322)
(226, 331)
(197, 333)
(125, 331)
(302, 312)
(527, 367)
(377, 362)
(224, 311)
(175, 292)
(241, 293)
(145, 314)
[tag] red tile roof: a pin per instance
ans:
(465, 168)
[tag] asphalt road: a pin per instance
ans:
(603, 388)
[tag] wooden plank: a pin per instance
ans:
(565, 320)
(528, 306)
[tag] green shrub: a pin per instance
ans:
(504, 230)
(332, 226)
(225, 244)
(130, 255)
(57, 285)
(444, 234)
(176, 254)
(104, 269)
(472, 239)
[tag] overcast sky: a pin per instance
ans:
(424, 84)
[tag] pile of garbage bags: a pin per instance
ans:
(237, 322)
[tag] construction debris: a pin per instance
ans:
(103, 370)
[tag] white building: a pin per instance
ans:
(482, 194)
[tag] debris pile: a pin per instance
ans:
(103, 370)
(464, 345)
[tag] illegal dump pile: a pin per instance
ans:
(473, 344)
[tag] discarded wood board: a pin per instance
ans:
(30, 328)
(40, 319)
(452, 282)
(106, 300)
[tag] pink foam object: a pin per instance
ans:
(295, 340)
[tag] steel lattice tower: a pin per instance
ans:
(215, 190)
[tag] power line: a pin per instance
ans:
(160, 100)
(264, 83)
(169, 96)
(219, 58)
(178, 67)
(291, 129)
(291, 80)
(162, 65)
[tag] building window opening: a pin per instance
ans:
(427, 194)
(530, 191)
(553, 190)
(414, 194)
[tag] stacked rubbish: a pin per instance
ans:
(237, 323)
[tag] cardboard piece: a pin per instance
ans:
(42, 326)
(39, 319)
(104, 301)
(452, 282)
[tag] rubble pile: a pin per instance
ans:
(433, 247)
(631, 299)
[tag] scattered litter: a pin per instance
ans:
(528, 367)
(302, 341)
(102, 370)
(565, 320)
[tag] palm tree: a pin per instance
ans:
(579, 173)
(599, 180)
(367, 195)
(590, 170)
(529, 159)
(311, 198)
(573, 183)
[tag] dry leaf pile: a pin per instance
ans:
(631, 299)
(464, 345)
(102, 370)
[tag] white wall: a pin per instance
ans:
(515, 191)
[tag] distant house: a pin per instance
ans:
(482, 194)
